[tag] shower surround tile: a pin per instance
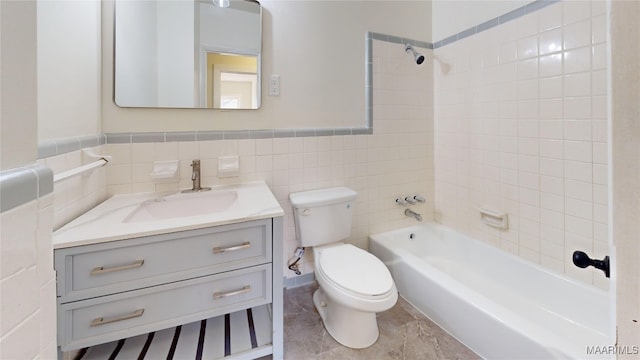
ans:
(542, 155)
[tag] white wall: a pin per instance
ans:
(625, 173)
(69, 62)
(452, 17)
(27, 279)
(317, 48)
(18, 69)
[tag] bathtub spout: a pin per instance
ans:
(409, 212)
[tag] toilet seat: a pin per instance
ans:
(355, 271)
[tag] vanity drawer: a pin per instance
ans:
(113, 317)
(101, 269)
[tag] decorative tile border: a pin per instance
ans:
(146, 137)
(63, 146)
(22, 185)
(511, 15)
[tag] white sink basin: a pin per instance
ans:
(125, 216)
(183, 205)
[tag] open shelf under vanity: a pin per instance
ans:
(244, 334)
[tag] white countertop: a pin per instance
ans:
(108, 220)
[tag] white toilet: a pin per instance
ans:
(354, 284)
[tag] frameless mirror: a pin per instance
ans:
(187, 53)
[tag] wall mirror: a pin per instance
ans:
(187, 53)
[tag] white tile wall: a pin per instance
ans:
(27, 282)
(397, 160)
(76, 195)
(520, 125)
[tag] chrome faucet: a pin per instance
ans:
(195, 178)
(409, 212)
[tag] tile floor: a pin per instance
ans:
(404, 334)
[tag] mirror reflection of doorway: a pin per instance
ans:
(236, 90)
(232, 81)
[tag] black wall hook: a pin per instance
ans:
(582, 260)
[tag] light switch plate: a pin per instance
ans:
(274, 85)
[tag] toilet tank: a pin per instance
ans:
(323, 216)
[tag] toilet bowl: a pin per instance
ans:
(354, 285)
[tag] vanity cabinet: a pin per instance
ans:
(124, 288)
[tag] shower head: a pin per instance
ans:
(419, 57)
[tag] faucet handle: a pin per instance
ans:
(419, 198)
(401, 201)
(410, 200)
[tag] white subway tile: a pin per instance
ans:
(528, 146)
(578, 150)
(600, 153)
(599, 56)
(577, 60)
(575, 11)
(552, 148)
(600, 194)
(552, 185)
(551, 129)
(578, 226)
(508, 52)
(551, 167)
(553, 219)
(528, 89)
(577, 130)
(551, 109)
(577, 170)
(578, 208)
(550, 65)
(552, 202)
(550, 17)
(578, 190)
(599, 29)
(528, 47)
(599, 108)
(600, 174)
(247, 147)
(529, 180)
(599, 82)
(550, 41)
(551, 87)
(578, 84)
(166, 151)
(577, 34)
(264, 146)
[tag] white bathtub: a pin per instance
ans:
(498, 305)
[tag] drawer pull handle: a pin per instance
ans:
(102, 321)
(220, 250)
(102, 270)
(220, 295)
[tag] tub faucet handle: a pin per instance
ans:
(419, 198)
(401, 201)
(410, 200)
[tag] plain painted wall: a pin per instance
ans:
(69, 63)
(317, 48)
(18, 86)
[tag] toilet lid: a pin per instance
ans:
(356, 270)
